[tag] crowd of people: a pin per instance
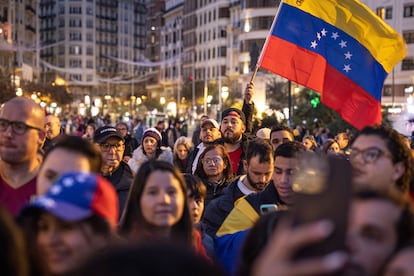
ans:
(134, 200)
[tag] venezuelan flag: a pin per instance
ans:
(338, 48)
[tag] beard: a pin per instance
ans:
(258, 186)
(232, 139)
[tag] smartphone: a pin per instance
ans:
(267, 208)
(323, 189)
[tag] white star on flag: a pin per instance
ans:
(323, 32)
(348, 55)
(342, 44)
(335, 35)
(314, 44)
(56, 189)
(347, 68)
(68, 182)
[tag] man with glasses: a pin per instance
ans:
(53, 130)
(21, 135)
(381, 159)
(114, 169)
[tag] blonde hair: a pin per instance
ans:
(186, 142)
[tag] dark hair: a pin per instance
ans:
(398, 149)
(13, 255)
(148, 258)
(405, 224)
(195, 186)
(261, 148)
(122, 124)
(256, 240)
(281, 128)
(79, 145)
(289, 149)
(228, 171)
(328, 143)
(158, 150)
(28, 221)
(133, 220)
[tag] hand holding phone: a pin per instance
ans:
(322, 192)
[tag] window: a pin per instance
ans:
(75, 10)
(384, 12)
(75, 50)
(388, 13)
(408, 36)
(409, 10)
(407, 64)
(75, 63)
(75, 36)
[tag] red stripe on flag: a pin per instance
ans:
(309, 69)
(354, 104)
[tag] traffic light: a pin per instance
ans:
(314, 99)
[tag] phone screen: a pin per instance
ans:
(267, 208)
(323, 191)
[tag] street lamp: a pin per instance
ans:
(162, 102)
(19, 92)
(224, 95)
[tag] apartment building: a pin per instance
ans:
(92, 44)
(18, 41)
(171, 75)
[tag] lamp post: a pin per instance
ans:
(224, 95)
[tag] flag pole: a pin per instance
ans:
(254, 73)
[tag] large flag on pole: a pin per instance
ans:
(339, 48)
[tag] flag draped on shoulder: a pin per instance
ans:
(339, 48)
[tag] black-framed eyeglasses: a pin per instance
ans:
(215, 160)
(369, 155)
(18, 128)
(107, 146)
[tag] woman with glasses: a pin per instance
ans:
(214, 168)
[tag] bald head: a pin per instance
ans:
(23, 109)
(17, 147)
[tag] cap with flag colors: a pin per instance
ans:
(339, 48)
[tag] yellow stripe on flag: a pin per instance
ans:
(357, 20)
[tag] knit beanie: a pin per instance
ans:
(152, 132)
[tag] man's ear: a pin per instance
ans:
(245, 165)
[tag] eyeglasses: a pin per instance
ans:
(108, 147)
(215, 160)
(369, 155)
(18, 128)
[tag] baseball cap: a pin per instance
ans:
(235, 113)
(105, 132)
(76, 196)
(210, 121)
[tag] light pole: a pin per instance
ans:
(224, 95)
